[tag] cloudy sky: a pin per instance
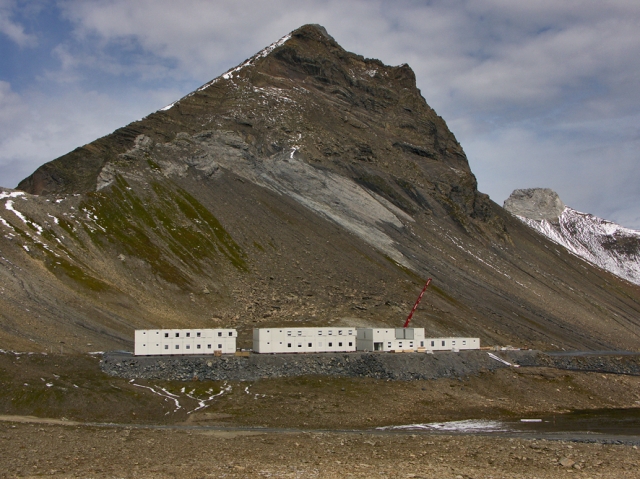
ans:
(539, 93)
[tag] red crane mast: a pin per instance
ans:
(415, 306)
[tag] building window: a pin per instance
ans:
(219, 346)
(288, 345)
(299, 345)
(350, 343)
(433, 343)
(166, 335)
(198, 335)
(288, 333)
(299, 333)
(188, 335)
(453, 342)
(177, 346)
(230, 333)
(340, 332)
(422, 344)
(310, 344)
(400, 345)
(443, 343)
(320, 333)
(464, 343)
(340, 345)
(350, 332)
(208, 346)
(177, 335)
(166, 346)
(389, 345)
(198, 346)
(219, 333)
(330, 333)
(330, 344)
(188, 346)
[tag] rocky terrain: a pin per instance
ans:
(307, 185)
(60, 416)
(106, 452)
(395, 367)
(601, 242)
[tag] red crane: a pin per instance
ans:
(415, 306)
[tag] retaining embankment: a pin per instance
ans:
(404, 367)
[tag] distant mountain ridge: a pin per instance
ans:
(606, 244)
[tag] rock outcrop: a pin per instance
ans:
(535, 204)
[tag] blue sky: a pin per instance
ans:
(540, 93)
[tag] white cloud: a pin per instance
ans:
(36, 128)
(12, 29)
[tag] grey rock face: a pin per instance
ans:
(535, 204)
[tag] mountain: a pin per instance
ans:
(601, 242)
(309, 185)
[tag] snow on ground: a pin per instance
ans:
(455, 426)
(594, 239)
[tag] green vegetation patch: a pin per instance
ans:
(164, 229)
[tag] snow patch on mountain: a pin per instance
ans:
(601, 242)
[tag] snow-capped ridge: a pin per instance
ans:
(229, 73)
(601, 242)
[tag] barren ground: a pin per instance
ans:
(72, 390)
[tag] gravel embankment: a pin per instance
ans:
(373, 365)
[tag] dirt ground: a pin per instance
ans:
(34, 450)
(77, 395)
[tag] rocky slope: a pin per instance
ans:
(601, 242)
(307, 185)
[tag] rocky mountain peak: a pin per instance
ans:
(535, 204)
(307, 185)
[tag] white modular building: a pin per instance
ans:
(451, 344)
(151, 342)
(304, 340)
(390, 339)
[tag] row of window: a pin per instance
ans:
(188, 335)
(330, 344)
(329, 333)
(464, 343)
(188, 346)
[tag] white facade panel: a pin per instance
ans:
(151, 342)
(448, 344)
(390, 339)
(304, 340)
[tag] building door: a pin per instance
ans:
(377, 346)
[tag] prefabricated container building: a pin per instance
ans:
(390, 339)
(451, 344)
(152, 342)
(304, 340)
